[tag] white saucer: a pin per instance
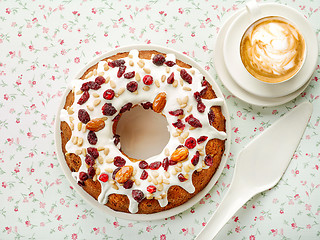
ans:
(232, 86)
(243, 77)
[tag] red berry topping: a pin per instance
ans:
(143, 164)
(83, 116)
(80, 183)
(144, 175)
(176, 112)
(121, 71)
(186, 76)
(85, 87)
(169, 63)
(103, 177)
(158, 59)
(201, 107)
(211, 116)
(190, 142)
(116, 118)
(115, 172)
(155, 165)
(193, 121)
(179, 124)
(197, 96)
(147, 105)
(93, 152)
(171, 162)
(151, 189)
(93, 85)
(182, 178)
(116, 139)
(128, 184)
(116, 63)
(165, 164)
(132, 86)
(83, 176)
(84, 97)
(202, 139)
(137, 195)
(195, 159)
(147, 80)
(126, 107)
(108, 94)
(89, 160)
(204, 82)
(208, 160)
(119, 161)
(100, 80)
(170, 79)
(129, 75)
(108, 109)
(91, 171)
(92, 138)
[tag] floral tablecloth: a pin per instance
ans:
(43, 44)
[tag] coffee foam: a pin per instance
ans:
(272, 49)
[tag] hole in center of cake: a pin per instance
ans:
(143, 133)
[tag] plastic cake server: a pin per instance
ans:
(260, 165)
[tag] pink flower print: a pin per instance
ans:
(65, 26)
(293, 225)
(130, 224)
(76, 60)
(42, 224)
(173, 41)
(204, 224)
(12, 53)
(192, 211)
(148, 229)
(163, 237)
(42, 204)
(239, 114)
(59, 217)
(62, 201)
(238, 140)
(16, 209)
(281, 211)
(261, 218)
(115, 224)
(66, 71)
(274, 112)
(94, 11)
(131, 30)
(31, 48)
(205, 48)
(252, 237)
(28, 224)
(151, 26)
(308, 207)
(60, 228)
(4, 185)
(33, 67)
(8, 11)
(74, 236)
(193, 34)
(121, 20)
(236, 219)
(238, 229)
(207, 68)
(202, 25)
(180, 11)
(208, 20)
(29, 134)
(172, 217)
(96, 230)
(8, 229)
(308, 226)
(6, 97)
(63, 52)
(185, 231)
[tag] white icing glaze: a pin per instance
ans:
(105, 136)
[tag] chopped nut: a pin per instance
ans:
(166, 181)
(90, 108)
(157, 83)
(96, 102)
(179, 101)
(80, 142)
(96, 95)
(70, 110)
(149, 179)
(166, 152)
(106, 67)
(94, 72)
(79, 92)
(154, 174)
(181, 82)
(178, 69)
(180, 154)
(107, 79)
(100, 160)
(167, 69)
(185, 135)
(185, 99)
(181, 139)
(112, 84)
(130, 56)
(78, 152)
(109, 160)
(167, 174)
(147, 70)
(109, 170)
(159, 102)
(141, 63)
(100, 73)
(131, 63)
(79, 126)
(89, 74)
(183, 105)
(175, 134)
(114, 186)
(192, 71)
(189, 108)
(137, 77)
(175, 83)
(186, 88)
(84, 151)
(146, 88)
(163, 78)
(186, 168)
(154, 181)
(137, 182)
(100, 148)
(160, 187)
(98, 171)
(106, 151)
(121, 90)
(72, 126)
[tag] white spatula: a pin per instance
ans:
(260, 165)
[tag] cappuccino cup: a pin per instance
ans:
(272, 49)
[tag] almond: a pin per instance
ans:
(180, 154)
(95, 124)
(124, 174)
(159, 102)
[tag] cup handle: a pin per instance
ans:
(253, 8)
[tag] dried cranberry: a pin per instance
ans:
(126, 107)
(103, 177)
(197, 96)
(170, 79)
(176, 112)
(132, 86)
(147, 80)
(204, 82)
(83, 176)
(202, 139)
(128, 184)
(100, 80)
(116, 139)
(84, 97)
(116, 118)
(190, 142)
(137, 195)
(108, 109)
(165, 164)
(208, 160)
(115, 172)
(193, 121)
(92, 138)
(195, 159)
(169, 63)
(129, 75)
(146, 105)
(171, 162)
(93, 85)
(211, 116)
(185, 76)
(108, 94)
(119, 161)
(143, 164)
(179, 124)
(121, 71)
(116, 63)
(155, 165)
(85, 87)
(144, 175)
(151, 189)
(93, 152)
(158, 60)
(91, 171)
(89, 160)
(80, 183)
(182, 178)
(83, 116)
(201, 107)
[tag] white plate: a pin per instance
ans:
(154, 216)
(232, 86)
(243, 77)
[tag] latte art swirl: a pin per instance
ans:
(272, 49)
